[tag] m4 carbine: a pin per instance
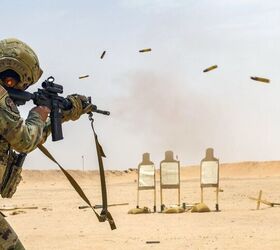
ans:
(48, 96)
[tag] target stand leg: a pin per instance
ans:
(137, 206)
(155, 200)
(217, 199)
(217, 208)
(201, 195)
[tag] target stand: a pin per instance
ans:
(146, 177)
(169, 176)
(209, 174)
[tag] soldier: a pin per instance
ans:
(19, 68)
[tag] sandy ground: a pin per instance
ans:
(59, 224)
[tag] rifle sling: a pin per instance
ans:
(105, 215)
(100, 154)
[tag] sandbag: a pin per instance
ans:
(200, 208)
(173, 210)
(140, 210)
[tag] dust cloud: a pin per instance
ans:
(160, 112)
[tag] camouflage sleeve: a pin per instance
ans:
(24, 136)
(46, 131)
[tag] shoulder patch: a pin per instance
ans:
(3, 92)
(11, 105)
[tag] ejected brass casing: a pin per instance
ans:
(210, 68)
(260, 79)
(81, 77)
(145, 50)
(103, 54)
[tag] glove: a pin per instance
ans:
(80, 106)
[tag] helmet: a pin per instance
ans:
(17, 56)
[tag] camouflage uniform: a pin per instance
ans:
(15, 133)
(9, 239)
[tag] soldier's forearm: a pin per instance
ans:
(25, 136)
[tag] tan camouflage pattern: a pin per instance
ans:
(15, 133)
(11, 181)
(46, 131)
(8, 238)
(22, 136)
(19, 246)
(4, 149)
(19, 57)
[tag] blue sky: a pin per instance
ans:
(159, 100)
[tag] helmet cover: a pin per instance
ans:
(17, 56)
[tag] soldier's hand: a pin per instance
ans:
(80, 106)
(43, 111)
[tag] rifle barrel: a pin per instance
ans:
(103, 112)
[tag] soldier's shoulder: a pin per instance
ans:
(3, 92)
(7, 105)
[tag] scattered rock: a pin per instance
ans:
(18, 212)
(46, 209)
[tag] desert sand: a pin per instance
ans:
(57, 223)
